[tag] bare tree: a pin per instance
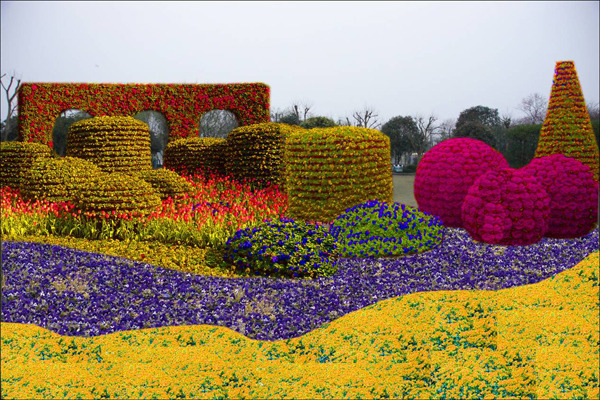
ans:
(428, 129)
(276, 115)
(9, 122)
(300, 109)
(445, 130)
(535, 107)
(366, 118)
(217, 123)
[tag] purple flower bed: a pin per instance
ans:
(117, 294)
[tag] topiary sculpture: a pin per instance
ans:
(446, 172)
(167, 183)
(115, 144)
(16, 157)
(117, 193)
(379, 229)
(508, 207)
(573, 194)
(57, 179)
(256, 153)
(192, 155)
(282, 247)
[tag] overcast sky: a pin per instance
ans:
(398, 58)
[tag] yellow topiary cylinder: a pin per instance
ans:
(256, 153)
(196, 154)
(329, 170)
(115, 144)
(16, 157)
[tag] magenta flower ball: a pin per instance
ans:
(573, 194)
(507, 207)
(446, 172)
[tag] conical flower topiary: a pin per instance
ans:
(567, 128)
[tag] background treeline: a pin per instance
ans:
(410, 136)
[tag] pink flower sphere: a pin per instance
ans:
(573, 194)
(508, 207)
(446, 172)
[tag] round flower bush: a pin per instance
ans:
(573, 194)
(507, 207)
(376, 229)
(282, 247)
(446, 172)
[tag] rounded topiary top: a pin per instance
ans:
(256, 152)
(115, 144)
(57, 179)
(196, 154)
(446, 172)
(573, 192)
(16, 157)
(167, 183)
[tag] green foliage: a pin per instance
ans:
(410, 168)
(522, 140)
(483, 115)
(9, 129)
(282, 248)
(477, 130)
(318, 122)
(290, 119)
(380, 229)
(400, 130)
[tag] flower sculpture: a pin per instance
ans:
(573, 194)
(446, 172)
(508, 207)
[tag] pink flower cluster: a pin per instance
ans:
(469, 185)
(447, 171)
(573, 193)
(507, 207)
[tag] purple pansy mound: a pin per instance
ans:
(446, 172)
(573, 194)
(507, 207)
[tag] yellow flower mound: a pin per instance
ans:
(330, 170)
(16, 157)
(57, 179)
(115, 144)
